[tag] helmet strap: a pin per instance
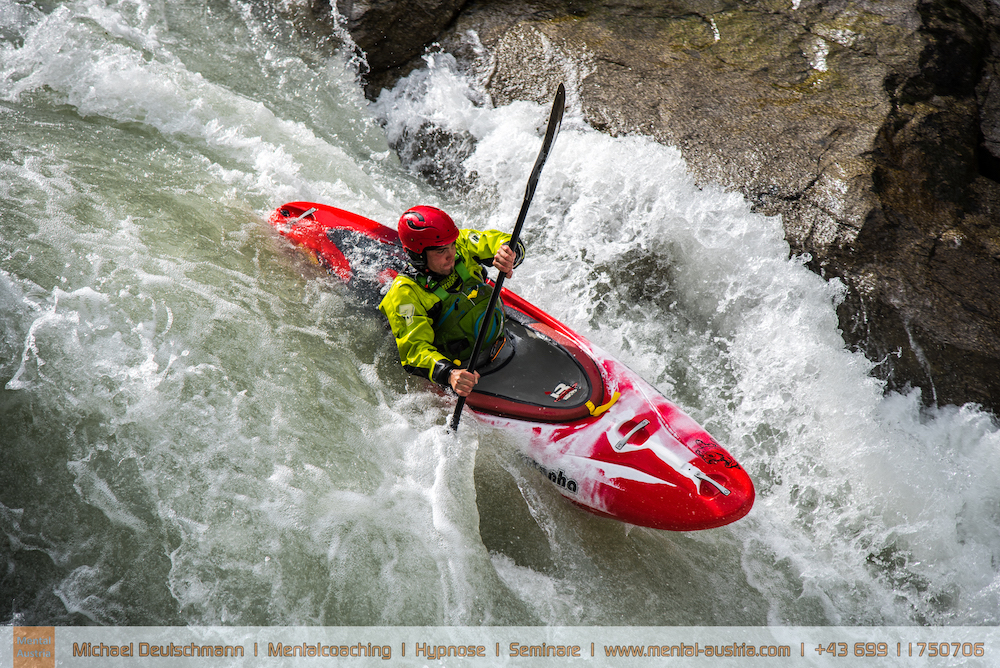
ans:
(418, 260)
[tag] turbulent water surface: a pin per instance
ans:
(198, 426)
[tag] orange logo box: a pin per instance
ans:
(34, 647)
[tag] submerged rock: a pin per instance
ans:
(872, 128)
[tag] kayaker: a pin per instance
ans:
(436, 308)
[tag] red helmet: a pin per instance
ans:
(424, 227)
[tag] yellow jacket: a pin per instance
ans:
(436, 319)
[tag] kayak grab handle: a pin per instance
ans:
(621, 444)
(299, 218)
(597, 410)
(700, 475)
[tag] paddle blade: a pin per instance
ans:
(551, 130)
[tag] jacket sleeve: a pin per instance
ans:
(484, 245)
(414, 332)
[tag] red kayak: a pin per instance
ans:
(607, 440)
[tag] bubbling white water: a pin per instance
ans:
(192, 392)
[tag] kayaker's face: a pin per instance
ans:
(441, 260)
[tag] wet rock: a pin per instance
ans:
(435, 154)
(390, 33)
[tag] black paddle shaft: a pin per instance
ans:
(555, 120)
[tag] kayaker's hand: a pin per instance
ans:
(504, 260)
(462, 381)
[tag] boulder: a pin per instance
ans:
(389, 33)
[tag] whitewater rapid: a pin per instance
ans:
(200, 427)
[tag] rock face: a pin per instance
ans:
(872, 128)
(389, 32)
